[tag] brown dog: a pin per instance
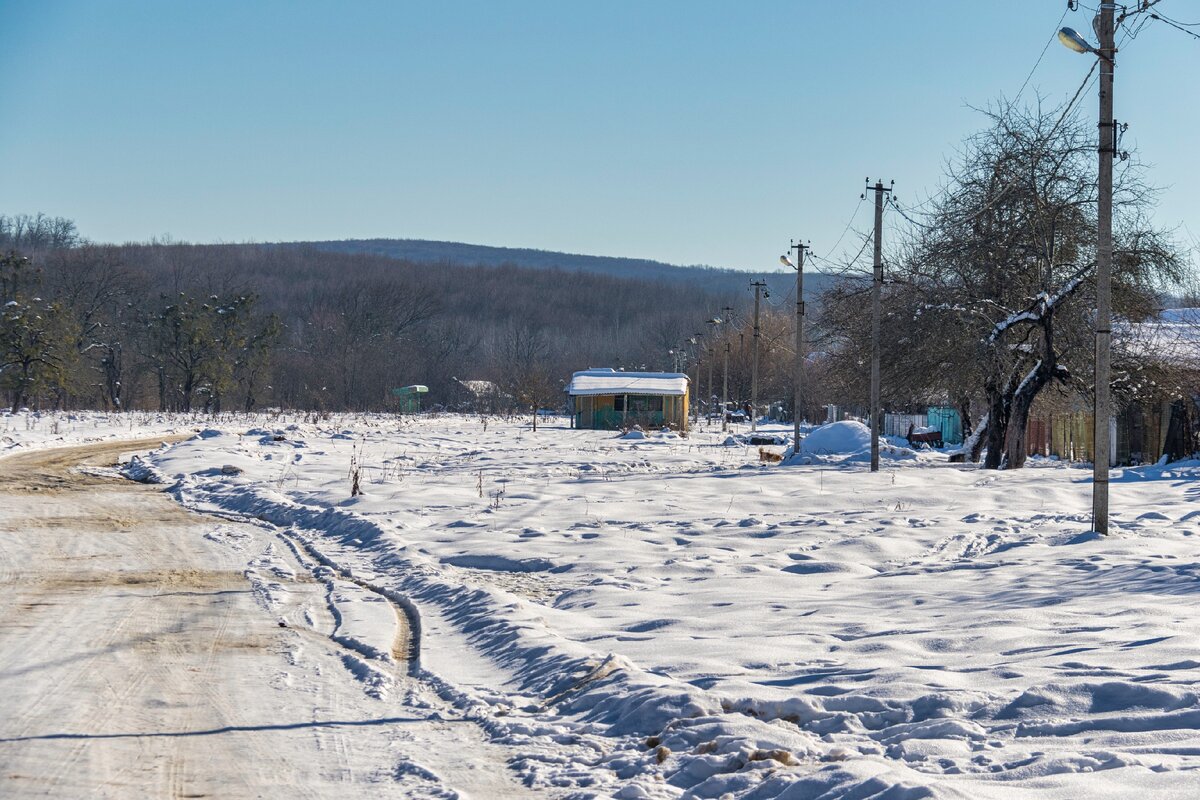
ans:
(768, 456)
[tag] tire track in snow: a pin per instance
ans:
(170, 762)
(406, 651)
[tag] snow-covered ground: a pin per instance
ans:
(31, 430)
(663, 616)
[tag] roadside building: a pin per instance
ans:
(610, 400)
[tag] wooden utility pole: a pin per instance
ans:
(758, 288)
(798, 398)
(1108, 151)
(876, 288)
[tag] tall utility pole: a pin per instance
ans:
(876, 287)
(758, 288)
(1108, 152)
(725, 377)
(698, 340)
(712, 356)
(798, 399)
(725, 391)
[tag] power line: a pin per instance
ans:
(1177, 26)
(1042, 55)
(1000, 194)
(849, 222)
(896, 205)
(849, 265)
(1184, 24)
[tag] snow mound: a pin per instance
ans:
(837, 438)
(887, 452)
(844, 442)
(139, 470)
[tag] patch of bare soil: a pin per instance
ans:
(166, 579)
(56, 469)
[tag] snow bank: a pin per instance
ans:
(680, 621)
(837, 438)
(846, 442)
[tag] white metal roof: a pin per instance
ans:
(1173, 338)
(609, 381)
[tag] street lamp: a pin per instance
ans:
(1107, 151)
(1072, 40)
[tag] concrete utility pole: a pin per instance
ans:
(1108, 151)
(758, 287)
(798, 399)
(728, 311)
(725, 392)
(698, 340)
(876, 288)
(712, 356)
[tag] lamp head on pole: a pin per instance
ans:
(1073, 41)
(787, 262)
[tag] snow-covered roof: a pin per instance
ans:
(1173, 338)
(480, 388)
(609, 381)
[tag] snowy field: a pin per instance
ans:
(660, 617)
(25, 431)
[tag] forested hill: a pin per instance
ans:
(712, 279)
(339, 325)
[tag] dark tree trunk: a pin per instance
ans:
(964, 411)
(977, 440)
(1016, 449)
(162, 388)
(999, 400)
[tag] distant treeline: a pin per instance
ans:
(179, 326)
(713, 279)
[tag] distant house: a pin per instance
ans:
(610, 400)
(1161, 420)
(480, 397)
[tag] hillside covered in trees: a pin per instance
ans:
(713, 279)
(180, 326)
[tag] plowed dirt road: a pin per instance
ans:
(139, 657)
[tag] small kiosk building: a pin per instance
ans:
(610, 400)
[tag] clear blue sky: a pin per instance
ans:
(690, 132)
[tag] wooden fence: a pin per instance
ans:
(1143, 434)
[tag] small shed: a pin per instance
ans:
(410, 397)
(607, 399)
